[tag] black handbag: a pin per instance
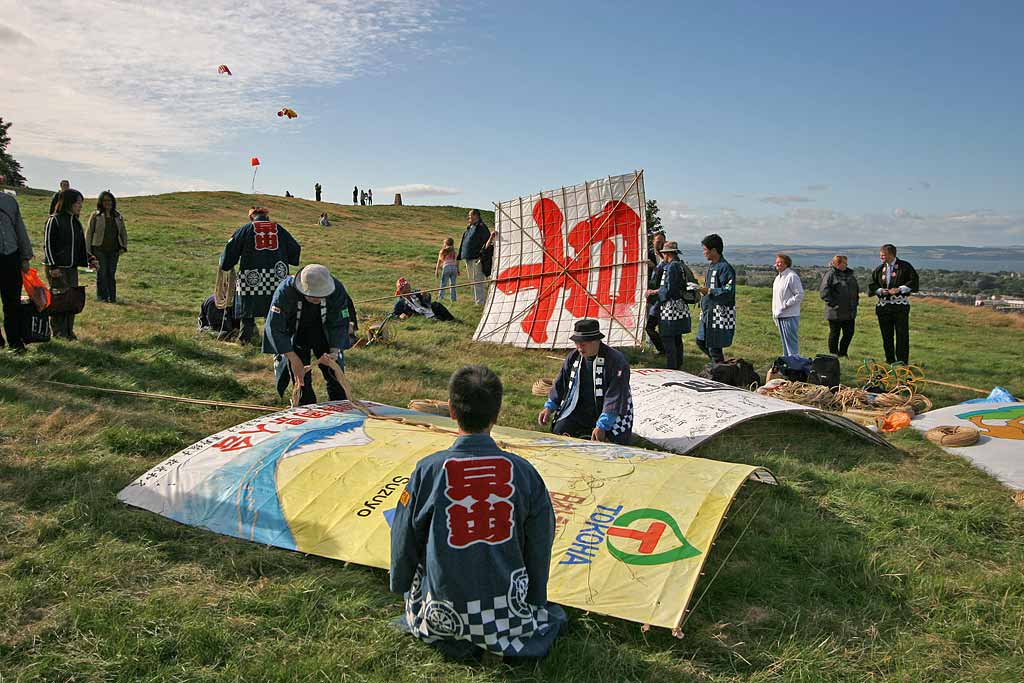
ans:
(70, 300)
(35, 326)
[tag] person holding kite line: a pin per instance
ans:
(471, 539)
(262, 249)
(718, 303)
(590, 398)
(309, 319)
(673, 309)
(473, 241)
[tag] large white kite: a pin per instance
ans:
(565, 254)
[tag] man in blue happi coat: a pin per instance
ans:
(471, 539)
(590, 398)
(718, 305)
(262, 250)
(309, 319)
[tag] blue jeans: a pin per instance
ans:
(106, 285)
(448, 275)
(789, 330)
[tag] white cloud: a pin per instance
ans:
(117, 86)
(903, 214)
(420, 190)
(818, 188)
(785, 200)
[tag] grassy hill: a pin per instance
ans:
(864, 565)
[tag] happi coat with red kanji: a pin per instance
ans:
(262, 250)
(470, 551)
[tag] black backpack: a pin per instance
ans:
(825, 371)
(735, 372)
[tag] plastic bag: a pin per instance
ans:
(36, 290)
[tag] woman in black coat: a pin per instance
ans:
(839, 290)
(64, 251)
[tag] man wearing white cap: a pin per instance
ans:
(309, 318)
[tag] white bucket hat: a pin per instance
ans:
(314, 280)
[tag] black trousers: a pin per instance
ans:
(673, 351)
(106, 285)
(308, 347)
(894, 323)
(652, 332)
(715, 353)
(839, 345)
(10, 293)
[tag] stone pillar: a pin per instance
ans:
(398, 199)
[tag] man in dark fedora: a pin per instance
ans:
(590, 398)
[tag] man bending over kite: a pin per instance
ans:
(471, 539)
(590, 398)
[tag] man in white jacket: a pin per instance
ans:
(787, 293)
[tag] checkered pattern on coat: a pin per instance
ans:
(502, 623)
(624, 422)
(897, 300)
(260, 281)
(675, 309)
(723, 317)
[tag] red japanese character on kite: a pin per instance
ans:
(223, 69)
(285, 111)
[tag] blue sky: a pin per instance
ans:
(815, 123)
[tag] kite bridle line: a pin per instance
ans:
(570, 262)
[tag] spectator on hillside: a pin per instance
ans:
(411, 301)
(64, 185)
(473, 241)
(324, 220)
(369, 197)
(355, 195)
(655, 266)
(106, 240)
(263, 250)
(64, 252)
(674, 295)
(448, 266)
(893, 282)
(362, 198)
(787, 293)
(840, 291)
(316, 189)
(718, 303)
(471, 584)
(15, 255)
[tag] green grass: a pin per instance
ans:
(865, 565)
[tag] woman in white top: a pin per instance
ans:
(787, 293)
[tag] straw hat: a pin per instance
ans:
(314, 280)
(670, 246)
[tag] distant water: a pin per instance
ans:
(980, 259)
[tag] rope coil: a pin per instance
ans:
(224, 289)
(541, 387)
(953, 436)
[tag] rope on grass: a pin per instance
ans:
(953, 436)
(430, 406)
(541, 387)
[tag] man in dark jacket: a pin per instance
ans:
(473, 241)
(263, 250)
(893, 281)
(839, 290)
(308, 319)
(316, 189)
(15, 254)
(590, 398)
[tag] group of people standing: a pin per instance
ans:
(364, 198)
(66, 248)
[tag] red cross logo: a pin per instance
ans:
(558, 271)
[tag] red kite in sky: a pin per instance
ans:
(223, 69)
(255, 161)
(285, 111)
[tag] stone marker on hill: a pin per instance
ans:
(398, 199)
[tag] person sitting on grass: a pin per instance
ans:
(325, 222)
(414, 302)
(211, 318)
(471, 539)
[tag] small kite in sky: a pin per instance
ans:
(285, 111)
(223, 69)
(255, 161)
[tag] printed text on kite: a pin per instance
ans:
(223, 69)
(285, 111)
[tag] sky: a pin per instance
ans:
(770, 123)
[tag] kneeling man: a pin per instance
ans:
(308, 319)
(590, 398)
(471, 538)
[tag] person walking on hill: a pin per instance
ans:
(590, 398)
(893, 281)
(355, 195)
(655, 267)
(64, 185)
(673, 310)
(15, 256)
(471, 539)
(787, 293)
(308, 323)
(840, 291)
(473, 240)
(316, 189)
(106, 240)
(262, 250)
(64, 252)
(448, 266)
(718, 303)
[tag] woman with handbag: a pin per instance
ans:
(106, 240)
(64, 251)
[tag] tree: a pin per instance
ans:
(654, 226)
(10, 169)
